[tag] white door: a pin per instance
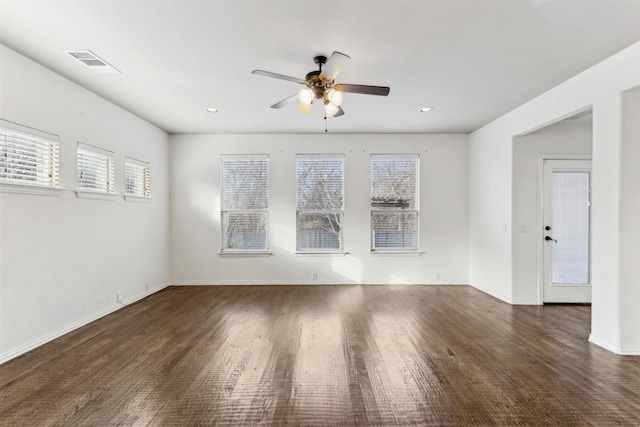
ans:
(566, 231)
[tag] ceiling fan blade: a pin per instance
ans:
(290, 100)
(339, 113)
(333, 66)
(277, 76)
(364, 89)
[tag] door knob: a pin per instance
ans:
(549, 238)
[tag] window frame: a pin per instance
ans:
(263, 210)
(340, 250)
(397, 198)
(87, 154)
(45, 169)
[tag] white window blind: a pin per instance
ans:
(245, 203)
(28, 156)
(320, 202)
(570, 225)
(394, 202)
(137, 178)
(95, 171)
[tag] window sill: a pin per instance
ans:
(87, 194)
(137, 199)
(232, 254)
(321, 253)
(40, 190)
(396, 253)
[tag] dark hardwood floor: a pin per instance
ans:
(325, 355)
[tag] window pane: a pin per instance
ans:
(244, 231)
(137, 178)
(394, 230)
(394, 182)
(95, 169)
(320, 201)
(28, 159)
(320, 183)
(245, 203)
(319, 231)
(570, 225)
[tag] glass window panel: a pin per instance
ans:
(394, 202)
(245, 203)
(570, 227)
(320, 202)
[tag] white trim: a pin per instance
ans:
(541, 159)
(97, 150)
(322, 253)
(525, 302)
(245, 253)
(138, 199)
(396, 253)
(629, 351)
(99, 195)
(40, 190)
(303, 282)
(5, 357)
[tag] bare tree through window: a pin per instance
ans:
(394, 202)
(320, 202)
(245, 203)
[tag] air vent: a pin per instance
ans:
(91, 60)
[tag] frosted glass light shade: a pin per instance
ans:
(330, 109)
(305, 96)
(336, 97)
(304, 107)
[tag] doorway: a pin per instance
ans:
(566, 233)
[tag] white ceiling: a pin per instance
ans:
(472, 61)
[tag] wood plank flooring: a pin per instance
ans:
(324, 355)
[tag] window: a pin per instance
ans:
(137, 178)
(320, 203)
(28, 156)
(245, 203)
(394, 202)
(95, 169)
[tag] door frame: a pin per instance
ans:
(540, 230)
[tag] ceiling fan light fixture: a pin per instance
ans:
(212, 110)
(330, 109)
(304, 107)
(335, 97)
(305, 96)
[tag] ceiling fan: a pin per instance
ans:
(320, 84)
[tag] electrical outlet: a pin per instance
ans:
(314, 276)
(436, 276)
(119, 297)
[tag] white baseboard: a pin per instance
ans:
(298, 282)
(11, 354)
(525, 302)
(624, 351)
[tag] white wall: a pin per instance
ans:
(566, 137)
(629, 248)
(63, 259)
(196, 205)
(490, 158)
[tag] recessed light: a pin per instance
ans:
(426, 109)
(212, 110)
